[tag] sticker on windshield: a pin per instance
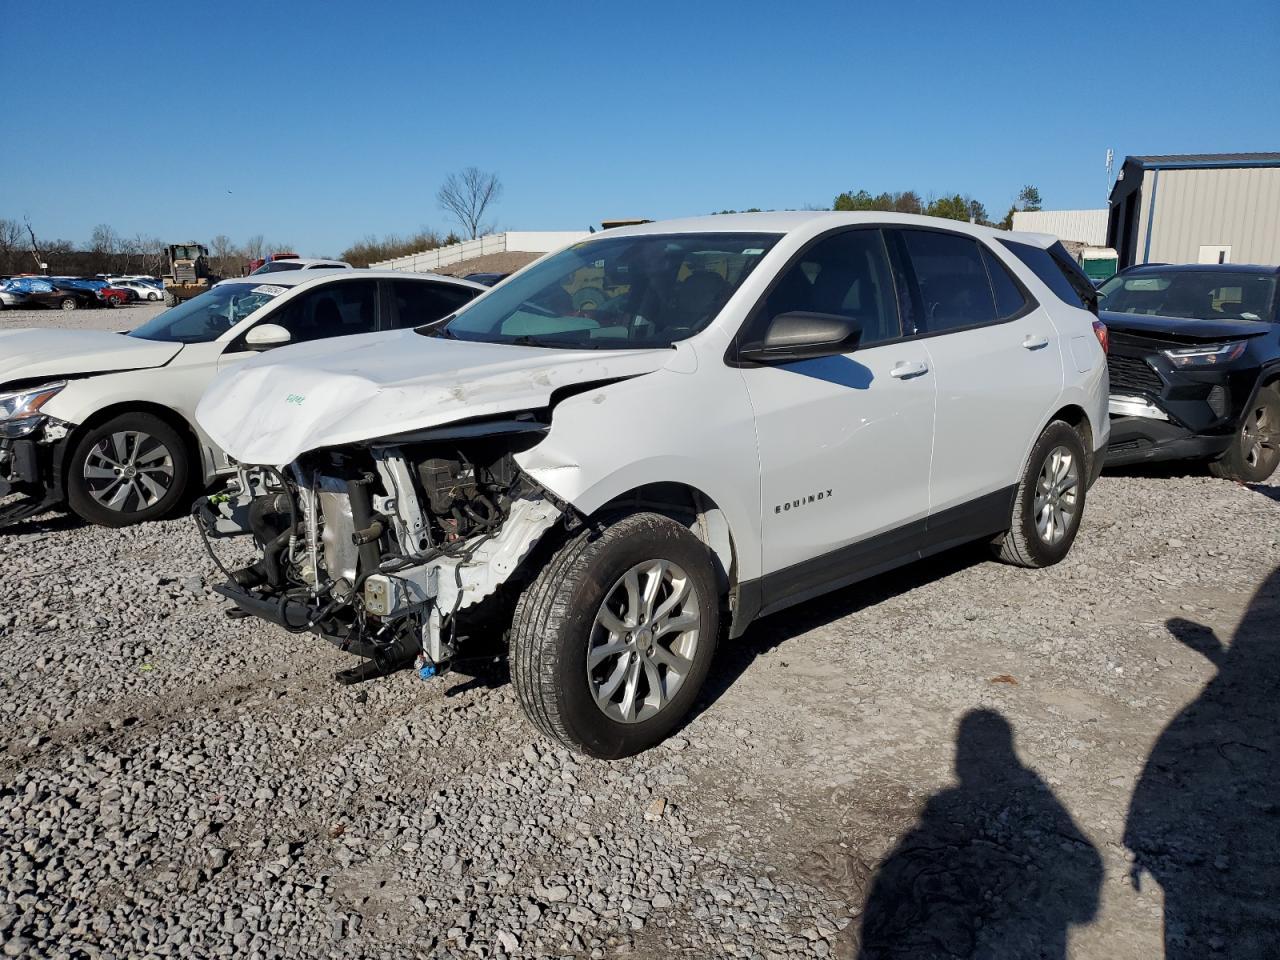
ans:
(753, 251)
(269, 289)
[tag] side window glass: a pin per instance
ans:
(1062, 280)
(1010, 300)
(419, 301)
(333, 310)
(846, 274)
(951, 278)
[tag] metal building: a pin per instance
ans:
(1197, 208)
(1079, 226)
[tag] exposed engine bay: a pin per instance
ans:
(383, 547)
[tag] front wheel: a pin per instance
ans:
(612, 641)
(1049, 502)
(1254, 454)
(130, 469)
(68, 303)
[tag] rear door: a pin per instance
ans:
(998, 368)
(844, 441)
(418, 302)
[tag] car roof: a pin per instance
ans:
(307, 261)
(1258, 269)
(812, 222)
(296, 278)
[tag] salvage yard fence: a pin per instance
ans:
(523, 241)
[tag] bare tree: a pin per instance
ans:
(41, 262)
(467, 195)
(11, 246)
(253, 247)
(153, 253)
(102, 244)
(224, 255)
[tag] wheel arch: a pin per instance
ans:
(693, 508)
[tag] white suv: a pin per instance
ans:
(753, 410)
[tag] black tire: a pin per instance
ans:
(555, 618)
(153, 296)
(68, 303)
(1254, 453)
(1024, 544)
(135, 507)
(170, 300)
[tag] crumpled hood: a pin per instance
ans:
(32, 353)
(274, 408)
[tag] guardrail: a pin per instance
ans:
(429, 260)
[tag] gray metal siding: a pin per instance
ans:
(1239, 208)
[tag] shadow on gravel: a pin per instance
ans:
(1160, 469)
(44, 523)
(995, 867)
(1266, 489)
(1204, 820)
(733, 657)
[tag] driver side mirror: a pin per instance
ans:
(800, 335)
(264, 336)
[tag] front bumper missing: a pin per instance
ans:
(32, 468)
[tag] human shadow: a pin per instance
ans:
(995, 867)
(1204, 820)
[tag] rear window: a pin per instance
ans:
(951, 278)
(1058, 272)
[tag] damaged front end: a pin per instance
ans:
(33, 446)
(392, 549)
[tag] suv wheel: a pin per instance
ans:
(613, 639)
(128, 470)
(1050, 500)
(1255, 453)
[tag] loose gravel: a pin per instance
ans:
(178, 783)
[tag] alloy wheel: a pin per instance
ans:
(1057, 495)
(643, 641)
(128, 471)
(1261, 437)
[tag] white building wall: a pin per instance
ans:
(1232, 207)
(1079, 226)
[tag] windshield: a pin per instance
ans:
(277, 266)
(1190, 294)
(209, 315)
(616, 292)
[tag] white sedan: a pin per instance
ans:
(145, 291)
(104, 422)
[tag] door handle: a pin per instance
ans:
(1033, 342)
(905, 371)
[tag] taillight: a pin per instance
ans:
(1104, 338)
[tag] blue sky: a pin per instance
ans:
(316, 123)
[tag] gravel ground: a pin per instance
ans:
(939, 762)
(120, 318)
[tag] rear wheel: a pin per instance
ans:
(153, 296)
(613, 639)
(1049, 502)
(130, 469)
(1254, 454)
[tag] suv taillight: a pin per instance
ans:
(1104, 338)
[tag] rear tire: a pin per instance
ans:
(560, 625)
(1049, 502)
(130, 469)
(153, 296)
(1254, 453)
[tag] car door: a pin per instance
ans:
(998, 368)
(844, 441)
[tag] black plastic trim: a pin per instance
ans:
(976, 519)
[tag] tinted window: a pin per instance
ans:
(333, 310)
(1056, 271)
(951, 279)
(847, 274)
(419, 302)
(1010, 299)
(1207, 294)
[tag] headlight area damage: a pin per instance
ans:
(32, 449)
(392, 549)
